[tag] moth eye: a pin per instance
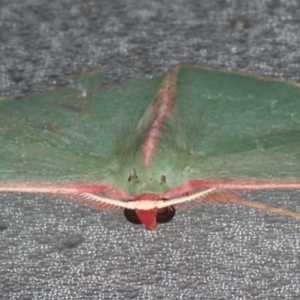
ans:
(166, 214)
(131, 216)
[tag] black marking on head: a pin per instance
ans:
(163, 179)
(132, 176)
(166, 214)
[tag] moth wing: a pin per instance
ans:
(68, 135)
(238, 126)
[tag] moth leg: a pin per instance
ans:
(225, 198)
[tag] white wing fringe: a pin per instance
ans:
(144, 204)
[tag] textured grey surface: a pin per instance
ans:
(50, 249)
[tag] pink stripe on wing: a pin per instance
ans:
(250, 184)
(162, 108)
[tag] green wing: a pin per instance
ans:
(68, 135)
(238, 126)
(222, 126)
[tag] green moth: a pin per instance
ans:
(150, 146)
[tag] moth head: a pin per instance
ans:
(150, 218)
(146, 209)
(146, 213)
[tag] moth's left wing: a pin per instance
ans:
(69, 135)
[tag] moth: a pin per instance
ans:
(191, 136)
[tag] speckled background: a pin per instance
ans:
(50, 249)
